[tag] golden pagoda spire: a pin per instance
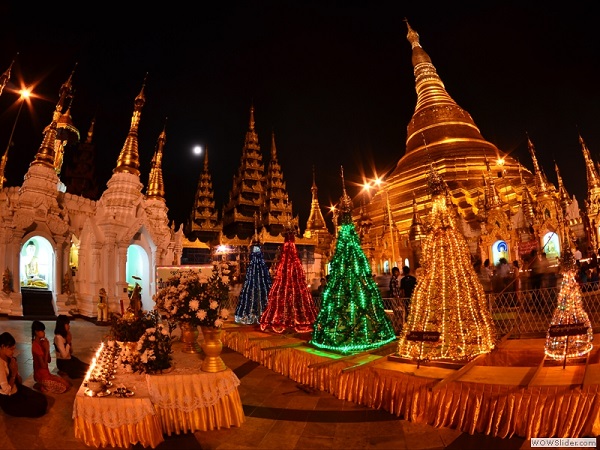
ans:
(527, 203)
(3, 162)
(492, 199)
(432, 98)
(593, 181)
(65, 93)
(416, 231)
(273, 147)
(45, 154)
(129, 160)
(90, 133)
(315, 218)
(6, 76)
(563, 196)
(156, 186)
(206, 159)
(541, 182)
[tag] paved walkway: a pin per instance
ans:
(280, 414)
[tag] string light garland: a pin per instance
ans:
(352, 317)
(255, 291)
(290, 304)
(448, 298)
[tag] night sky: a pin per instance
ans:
(333, 81)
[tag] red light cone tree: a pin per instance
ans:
(290, 304)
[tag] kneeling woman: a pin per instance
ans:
(15, 398)
(63, 343)
(40, 350)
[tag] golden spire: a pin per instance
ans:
(156, 186)
(435, 109)
(3, 162)
(492, 199)
(416, 231)
(527, 203)
(315, 218)
(65, 93)
(90, 133)
(273, 147)
(45, 154)
(541, 183)
(5, 77)
(593, 180)
(129, 160)
(563, 196)
(206, 159)
(345, 201)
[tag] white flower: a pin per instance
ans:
(218, 323)
(194, 305)
(201, 314)
(224, 313)
(214, 304)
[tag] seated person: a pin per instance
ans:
(40, 350)
(17, 399)
(66, 362)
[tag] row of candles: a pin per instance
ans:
(103, 365)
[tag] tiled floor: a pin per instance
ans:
(280, 414)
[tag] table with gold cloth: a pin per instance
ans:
(183, 400)
(503, 396)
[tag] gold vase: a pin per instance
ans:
(212, 348)
(189, 337)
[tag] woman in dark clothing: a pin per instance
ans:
(15, 398)
(65, 360)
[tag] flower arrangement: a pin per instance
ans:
(190, 298)
(153, 351)
(130, 327)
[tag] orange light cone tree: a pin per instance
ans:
(448, 298)
(569, 316)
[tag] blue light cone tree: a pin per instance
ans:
(253, 297)
(290, 304)
(352, 317)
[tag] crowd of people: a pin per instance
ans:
(19, 400)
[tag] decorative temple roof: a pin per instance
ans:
(247, 193)
(204, 218)
(277, 206)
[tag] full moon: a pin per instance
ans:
(197, 150)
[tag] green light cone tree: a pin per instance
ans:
(448, 298)
(352, 317)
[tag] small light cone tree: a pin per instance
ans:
(448, 298)
(352, 317)
(290, 304)
(252, 301)
(569, 315)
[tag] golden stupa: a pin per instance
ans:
(443, 134)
